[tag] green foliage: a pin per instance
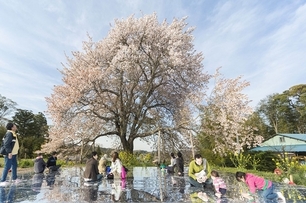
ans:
(65, 163)
(254, 161)
(32, 131)
(265, 161)
(240, 160)
(289, 165)
(127, 158)
(145, 159)
(26, 163)
(2, 133)
(299, 177)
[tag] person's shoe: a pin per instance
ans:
(17, 181)
(281, 196)
(4, 183)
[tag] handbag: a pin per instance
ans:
(110, 176)
(2, 150)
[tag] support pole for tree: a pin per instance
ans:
(191, 141)
(158, 147)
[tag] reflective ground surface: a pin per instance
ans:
(143, 185)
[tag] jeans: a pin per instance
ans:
(195, 183)
(99, 177)
(8, 164)
(268, 195)
(9, 197)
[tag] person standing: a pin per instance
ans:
(11, 146)
(51, 163)
(39, 164)
(170, 168)
(180, 164)
(91, 173)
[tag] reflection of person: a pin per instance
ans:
(11, 146)
(180, 164)
(219, 184)
(37, 181)
(117, 190)
(102, 164)
(116, 166)
(198, 197)
(197, 171)
(39, 164)
(265, 188)
(50, 178)
(170, 168)
(9, 198)
(91, 194)
(91, 173)
(51, 163)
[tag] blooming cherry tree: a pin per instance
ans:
(142, 77)
(225, 115)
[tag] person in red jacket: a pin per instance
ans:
(264, 187)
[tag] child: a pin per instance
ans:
(218, 183)
(265, 188)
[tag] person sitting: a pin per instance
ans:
(219, 184)
(102, 164)
(51, 163)
(197, 172)
(91, 173)
(180, 164)
(116, 166)
(170, 168)
(39, 164)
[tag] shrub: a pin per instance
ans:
(26, 163)
(265, 161)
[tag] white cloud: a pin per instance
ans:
(263, 41)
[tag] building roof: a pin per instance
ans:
(280, 148)
(287, 148)
(301, 137)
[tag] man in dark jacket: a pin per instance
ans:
(91, 173)
(11, 147)
(39, 164)
(51, 163)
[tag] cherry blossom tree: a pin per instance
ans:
(144, 76)
(225, 114)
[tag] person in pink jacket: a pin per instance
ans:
(264, 188)
(219, 184)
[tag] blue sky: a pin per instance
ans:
(264, 41)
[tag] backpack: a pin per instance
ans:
(123, 172)
(2, 148)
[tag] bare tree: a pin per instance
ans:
(141, 78)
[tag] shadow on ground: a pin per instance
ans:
(143, 185)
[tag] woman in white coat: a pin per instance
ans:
(116, 166)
